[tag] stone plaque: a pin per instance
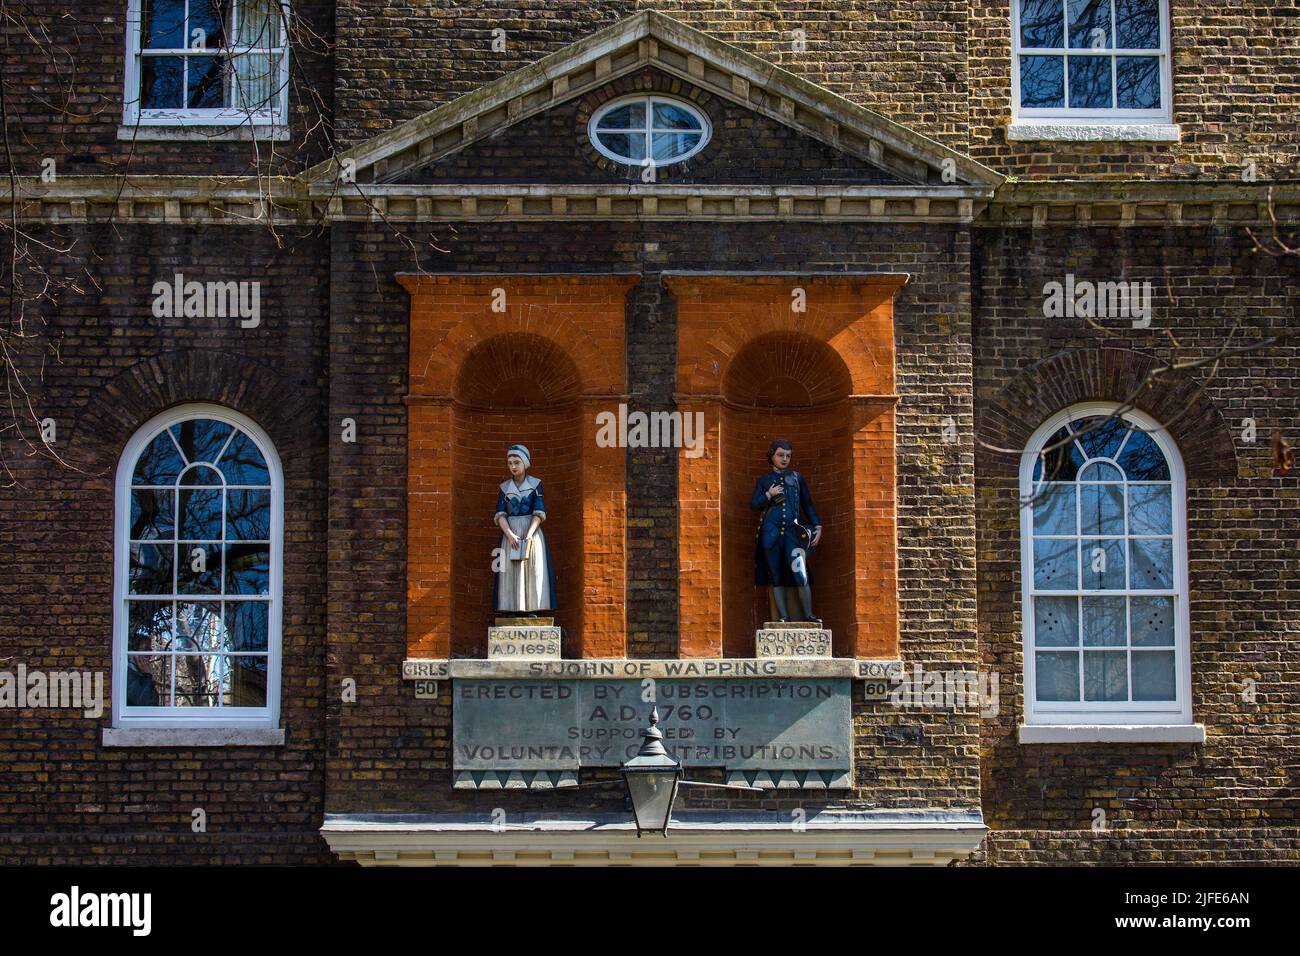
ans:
(879, 678)
(780, 640)
(749, 667)
(876, 688)
(601, 669)
(426, 689)
(418, 669)
(891, 670)
(524, 642)
(798, 724)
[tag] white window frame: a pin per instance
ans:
(706, 129)
(1074, 713)
(193, 717)
(1114, 115)
(133, 115)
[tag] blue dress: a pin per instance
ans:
(525, 581)
(784, 532)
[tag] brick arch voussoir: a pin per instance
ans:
(1174, 399)
(121, 405)
(828, 328)
(596, 372)
(867, 369)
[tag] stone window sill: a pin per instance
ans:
(202, 134)
(1112, 734)
(193, 737)
(1064, 131)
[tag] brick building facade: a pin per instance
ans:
(859, 258)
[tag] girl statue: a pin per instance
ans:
(525, 582)
(784, 540)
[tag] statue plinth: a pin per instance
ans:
(790, 639)
(524, 639)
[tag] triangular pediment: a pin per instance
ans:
(555, 146)
(652, 40)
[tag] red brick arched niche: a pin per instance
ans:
(811, 359)
(503, 359)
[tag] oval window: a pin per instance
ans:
(648, 131)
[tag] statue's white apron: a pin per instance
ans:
(524, 585)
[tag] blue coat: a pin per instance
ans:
(784, 531)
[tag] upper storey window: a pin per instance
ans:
(649, 131)
(1091, 60)
(206, 62)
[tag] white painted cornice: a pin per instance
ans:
(821, 838)
(647, 202)
(251, 201)
(1144, 203)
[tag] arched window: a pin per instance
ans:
(1104, 560)
(198, 573)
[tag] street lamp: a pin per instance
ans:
(652, 778)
